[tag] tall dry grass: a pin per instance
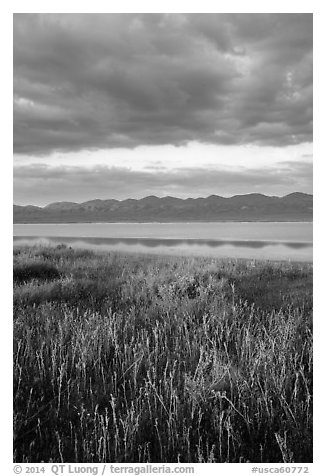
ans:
(157, 359)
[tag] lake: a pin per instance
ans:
(252, 240)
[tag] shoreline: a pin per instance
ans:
(200, 240)
(177, 256)
(159, 222)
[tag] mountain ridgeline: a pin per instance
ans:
(252, 207)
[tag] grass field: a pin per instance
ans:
(134, 358)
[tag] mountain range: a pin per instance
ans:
(251, 207)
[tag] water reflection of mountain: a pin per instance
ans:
(168, 243)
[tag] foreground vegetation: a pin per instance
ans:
(158, 359)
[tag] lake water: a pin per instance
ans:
(272, 241)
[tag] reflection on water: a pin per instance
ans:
(229, 231)
(252, 249)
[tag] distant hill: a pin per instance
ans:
(252, 207)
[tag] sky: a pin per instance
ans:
(130, 105)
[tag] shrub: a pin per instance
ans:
(37, 270)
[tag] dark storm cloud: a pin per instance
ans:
(40, 183)
(122, 80)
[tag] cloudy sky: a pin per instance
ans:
(130, 105)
